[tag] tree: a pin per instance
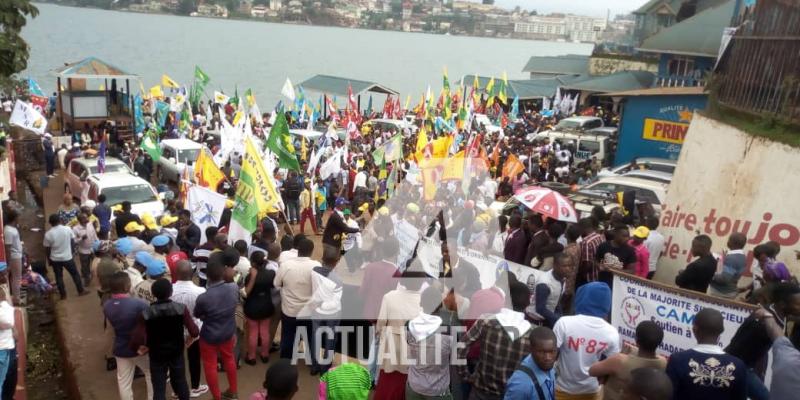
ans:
(13, 49)
(186, 7)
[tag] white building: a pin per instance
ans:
(584, 29)
(258, 11)
(542, 27)
(275, 5)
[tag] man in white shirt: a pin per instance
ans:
(6, 336)
(85, 235)
(58, 248)
(583, 339)
(294, 280)
(14, 252)
(654, 244)
(184, 291)
(360, 180)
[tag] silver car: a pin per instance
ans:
(176, 156)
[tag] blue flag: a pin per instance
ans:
(34, 88)
(137, 114)
(162, 110)
(514, 108)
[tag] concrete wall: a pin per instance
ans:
(653, 126)
(730, 181)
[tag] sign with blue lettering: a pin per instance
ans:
(635, 300)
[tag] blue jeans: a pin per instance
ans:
(292, 211)
(5, 360)
(756, 390)
(328, 337)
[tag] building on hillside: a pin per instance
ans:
(211, 10)
(552, 66)
(656, 15)
(689, 49)
(408, 10)
(258, 11)
(584, 29)
(545, 28)
(275, 5)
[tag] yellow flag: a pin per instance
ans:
(206, 172)
(454, 167)
(512, 166)
(441, 146)
(422, 143)
(490, 86)
(155, 92)
(169, 82)
(303, 148)
(256, 176)
(408, 102)
(476, 83)
(237, 117)
(503, 90)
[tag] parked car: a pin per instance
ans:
(646, 190)
(642, 163)
(176, 155)
(580, 124)
(85, 168)
(119, 187)
(651, 175)
(483, 120)
(586, 145)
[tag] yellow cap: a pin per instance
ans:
(134, 226)
(641, 232)
(168, 220)
(149, 221)
(229, 203)
(412, 207)
(364, 207)
(117, 207)
(383, 211)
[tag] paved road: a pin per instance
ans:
(81, 321)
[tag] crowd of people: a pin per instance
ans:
(173, 292)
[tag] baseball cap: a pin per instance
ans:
(341, 201)
(149, 221)
(641, 232)
(153, 267)
(117, 207)
(346, 211)
(3, 266)
(168, 220)
(124, 246)
(134, 226)
(412, 207)
(160, 240)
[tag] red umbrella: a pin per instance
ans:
(547, 202)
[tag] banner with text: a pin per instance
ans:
(635, 300)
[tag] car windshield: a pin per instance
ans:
(187, 156)
(567, 124)
(111, 168)
(135, 194)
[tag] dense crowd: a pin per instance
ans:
(173, 292)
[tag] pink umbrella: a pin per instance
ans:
(547, 202)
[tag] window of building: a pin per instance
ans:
(680, 66)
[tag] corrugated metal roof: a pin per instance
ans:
(699, 35)
(617, 82)
(674, 5)
(92, 68)
(337, 85)
(526, 89)
(661, 91)
(569, 64)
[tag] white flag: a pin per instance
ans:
(206, 207)
(220, 98)
(331, 166)
(288, 89)
(25, 116)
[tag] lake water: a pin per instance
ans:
(262, 55)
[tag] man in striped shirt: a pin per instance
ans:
(587, 269)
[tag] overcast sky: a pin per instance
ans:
(584, 7)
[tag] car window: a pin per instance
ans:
(167, 153)
(76, 168)
(641, 194)
(605, 187)
(595, 123)
(567, 124)
(111, 168)
(141, 193)
(663, 168)
(587, 148)
(188, 156)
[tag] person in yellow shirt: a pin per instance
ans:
(307, 208)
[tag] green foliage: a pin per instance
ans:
(13, 49)
(186, 7)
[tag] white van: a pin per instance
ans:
(579, 124)
(176, 155)
(586, 145)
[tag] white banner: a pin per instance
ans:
(635, 300)
(25, 116)
(206, 207)
(407, 235)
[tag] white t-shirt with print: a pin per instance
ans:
(582, 341)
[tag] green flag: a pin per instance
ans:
(245, 209)
(280, 142)
(200, 76)
(391, 181)
(151, 147)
